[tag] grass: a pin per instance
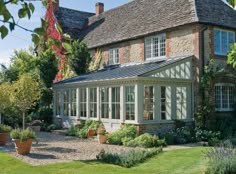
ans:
(182, 161)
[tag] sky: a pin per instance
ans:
(20, 39)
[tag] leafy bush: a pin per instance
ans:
(72, 131)
(128, 159)
(222, 159)
(145, 140)
(127, 131)
(83, 133)
(4, 128)
(22, 135)
(205, 135)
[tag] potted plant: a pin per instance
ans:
(23, 140)
(91, 132)
(102, 136)
(4, 132)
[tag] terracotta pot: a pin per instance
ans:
(36, 128)
(23, 147)
(91, 133)
(102, 139)
(3, 139)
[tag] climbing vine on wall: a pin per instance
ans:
(94, 65)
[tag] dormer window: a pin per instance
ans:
(222, 41)
(155, 47)
(113, 56)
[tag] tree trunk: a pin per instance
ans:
(0, 118)
(23, 120)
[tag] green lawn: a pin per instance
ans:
(184, 161)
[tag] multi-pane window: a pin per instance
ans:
(224, 97)
(155, 47)
(66, 103)
(73, 102)
(129, 103)
(113, 56)
(93, 102)
(181, 103)
(148, 111)
(58, 101)
(105, 103)
(115, 103)
(222, 41)
(83, 102)
(165, 103)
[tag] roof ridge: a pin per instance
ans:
(76, 10)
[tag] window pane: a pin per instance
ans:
(148, 103)
(231, 39)
(113, 56)
(165, 102)
(181, 101)
(224, 42)
(217, 41)
(58, 103)
(66, 103)
(104, 103)
(115, 103)
(73, 102)
(83, 102)
(129, 103)
(93, 102)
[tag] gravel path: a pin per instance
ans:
(52, 148)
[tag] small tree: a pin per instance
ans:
(26, 93)
(4, 97)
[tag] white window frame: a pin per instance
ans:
(105, 103)
(66, 103)
(166, 102)
(221, 109)
(181, 102)
(113, 56)
(221, 53)
(151, 40)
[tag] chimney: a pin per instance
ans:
(99, 8)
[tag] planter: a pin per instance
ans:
(102, 139)
(100, 129)
(91, 133)
(36, 128)
(3, 139)
(23, 147)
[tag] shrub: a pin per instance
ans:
(128, 159)
(4, 128)
(72, 131)
(205, 135)
(82, 133)
(127, 131)
(222, 159)
(22, 135)
(145, 140)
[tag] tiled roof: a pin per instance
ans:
(72, 21)
(142, 17)
(121, 72)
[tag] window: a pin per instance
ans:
(93, 102)
(58, 101)
(224, 97)
(66, 103)
(165, 103)
(148, 103)
(222, 41)
(155, 47)
(115, 103)
(129, 103)
(105, 103)
(181, 103)
(83, 102)
(113, 56)
(73, 102)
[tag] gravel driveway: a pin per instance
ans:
(53, 148)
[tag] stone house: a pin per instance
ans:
(151, 54)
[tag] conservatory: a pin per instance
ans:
(148, 93)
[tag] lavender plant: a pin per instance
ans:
(222, 159)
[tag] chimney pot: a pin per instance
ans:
(99, 8)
